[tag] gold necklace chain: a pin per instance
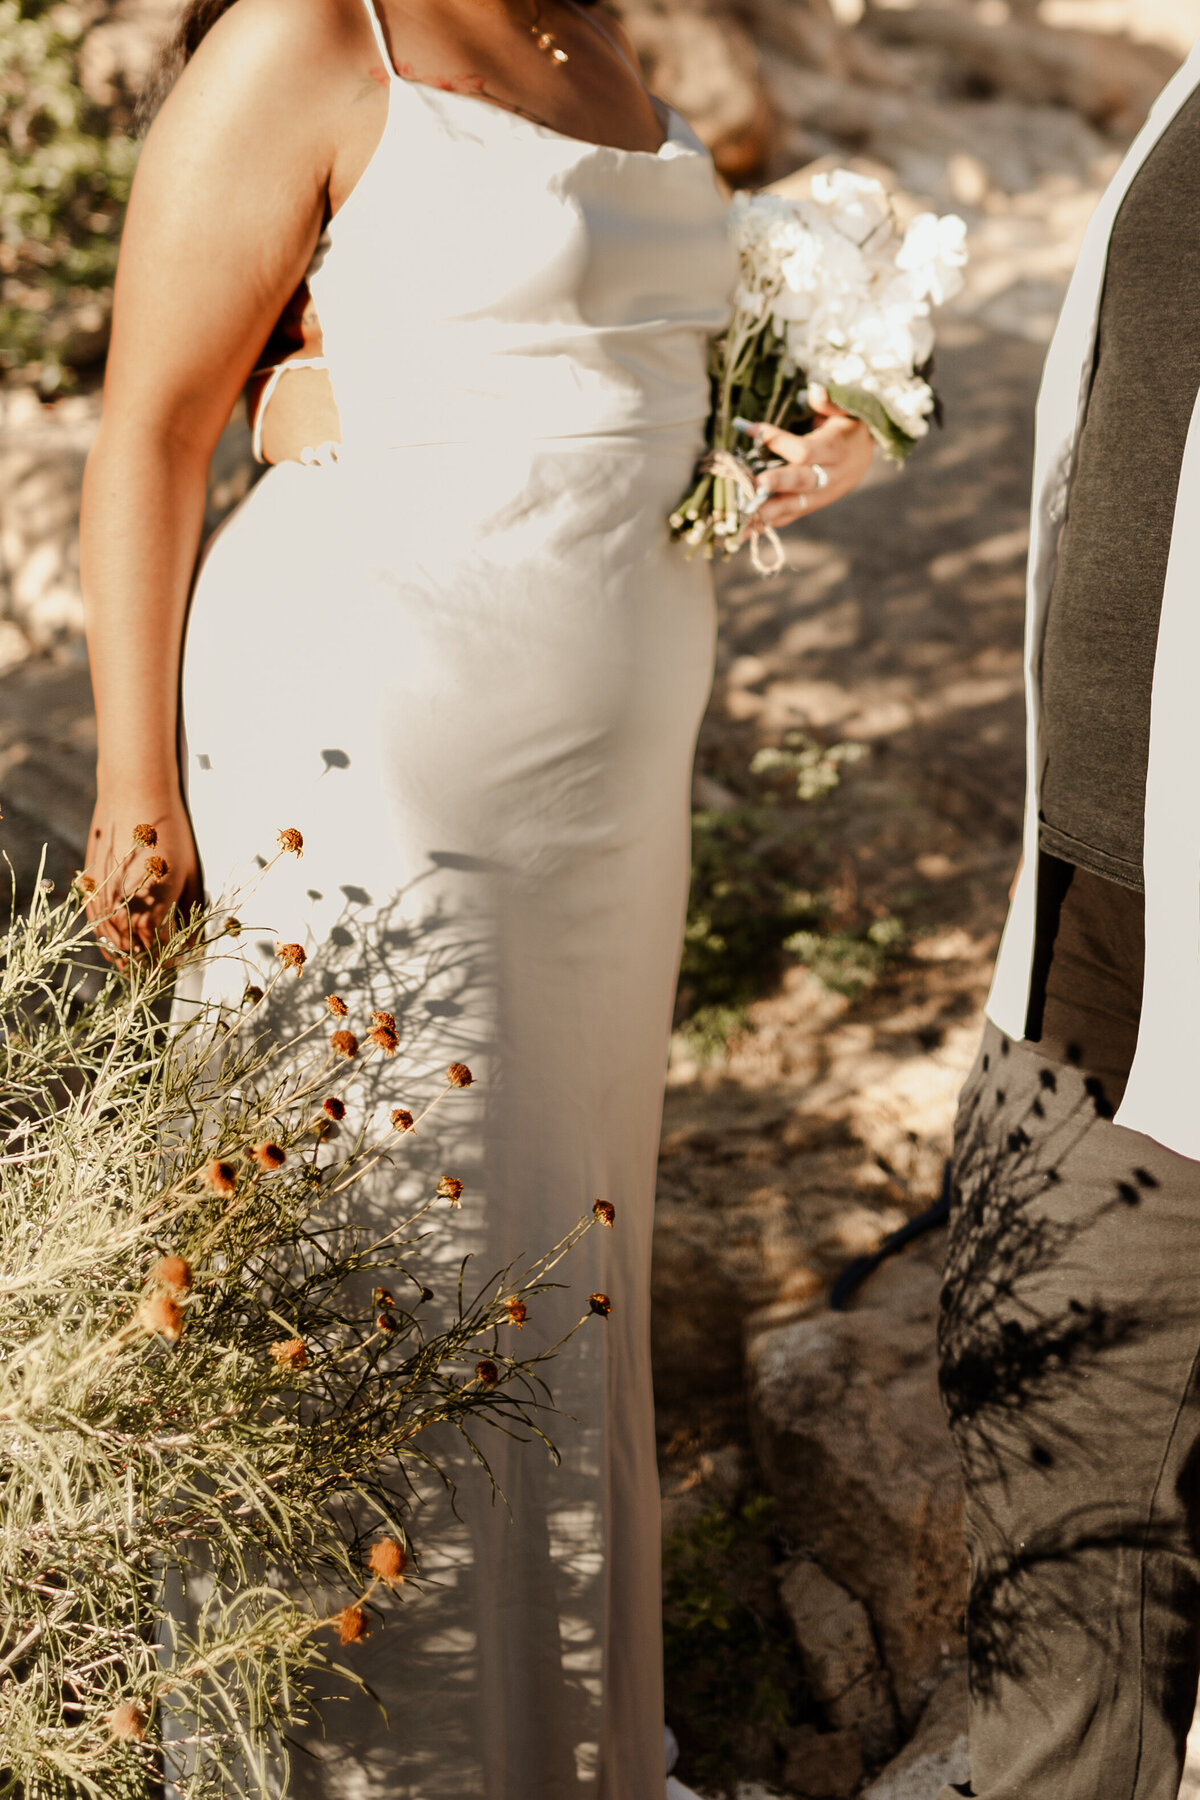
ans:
(546, 41)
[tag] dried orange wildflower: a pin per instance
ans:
(290, 1353)
(334, 1107)
(289, 839)
(458, 1075)
(220, 1177)
(517, 1312)
(386, 1321)
(232, 927)
(84, 883)
(384, 1039)
(401, 1120)
(292, 957)
(252, 995)
(487, 1372)
(384, 1297)
(388, 1560)
(145, 837)
(337, 1007)
(352, 1626)
(127, 1723)
(606, 1212)
(172, 1272)
(386, 1019)
(161, 1313)
(269, 1156)
(450, 1188)
(345, 1043)
(157, 868)
(600, 1303)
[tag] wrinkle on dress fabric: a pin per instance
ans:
(466, 661)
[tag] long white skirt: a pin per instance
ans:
(473, 682)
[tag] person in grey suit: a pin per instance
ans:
(1070, 1328)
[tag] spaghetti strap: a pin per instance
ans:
(380, 36)
(274, 373)
(613, 43)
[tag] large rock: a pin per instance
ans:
(1016, 145)
(822, 1765)
(47, 763)
(43, 449)
(696, 1318)
(703, 60)
(42, 453)
(1110, 80)
(810, 33)
(695, 1480)
(851, 1438)
(937, 1753)
(837, 1647)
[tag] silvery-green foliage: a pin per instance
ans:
(254, 1411)
(816, 766)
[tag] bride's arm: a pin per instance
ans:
(226, 208)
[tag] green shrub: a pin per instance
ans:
(64, 182)
(735, 1685)
(849, 962)
(743, 904)
(747, 911)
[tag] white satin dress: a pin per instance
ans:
(467, 663)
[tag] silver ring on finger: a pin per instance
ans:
(820, 475)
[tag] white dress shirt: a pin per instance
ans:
(1162, 1097)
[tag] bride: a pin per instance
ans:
(448, 638)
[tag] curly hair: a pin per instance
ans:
(196, 19)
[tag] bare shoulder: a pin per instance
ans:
(234, 181)
(272, 66)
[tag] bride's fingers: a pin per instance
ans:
(112, 941)
(820, 403)
(813, 464)
(826, 442)
(823, 466)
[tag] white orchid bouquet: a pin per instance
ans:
(831, 290)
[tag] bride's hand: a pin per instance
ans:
(840, 445)
(143, 861)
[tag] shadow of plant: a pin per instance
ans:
(1063, 1368)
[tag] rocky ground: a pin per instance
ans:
(897, 624)
(811, 1497)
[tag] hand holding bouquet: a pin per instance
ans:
(832, 291)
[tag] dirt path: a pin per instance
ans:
(899, 625)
